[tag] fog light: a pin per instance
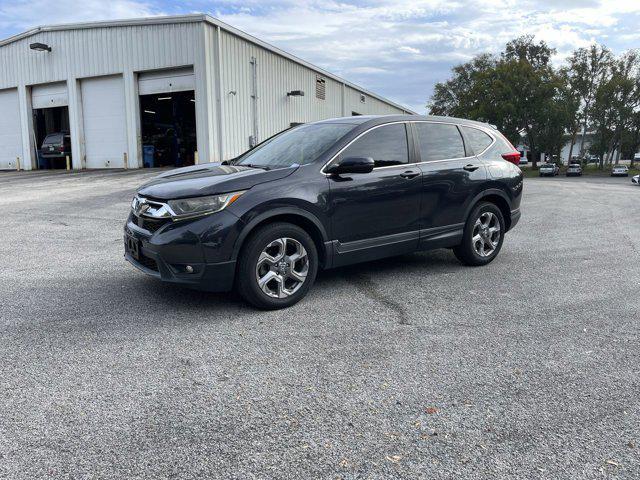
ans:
(188, 269)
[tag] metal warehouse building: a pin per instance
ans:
(156, 92)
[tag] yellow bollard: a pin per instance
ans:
(126, 161)
(196, 158)
(68, 163)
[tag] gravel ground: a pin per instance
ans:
(411, 367)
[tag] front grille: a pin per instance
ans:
(149, 224)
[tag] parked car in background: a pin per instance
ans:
(574, 169)
(620, 171)
(56, 145)
(324, 195)
(549, 170)
(636, 179)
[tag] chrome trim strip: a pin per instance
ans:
(364, 133)
(407, 165)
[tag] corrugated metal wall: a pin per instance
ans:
(276, 111)
(371, 105)
(97, 51)
(223, 81)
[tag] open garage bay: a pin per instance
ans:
(408, 367)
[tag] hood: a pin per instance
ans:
(208, 179)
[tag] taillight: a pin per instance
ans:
(513, 157)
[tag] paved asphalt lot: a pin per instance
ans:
(412, 367)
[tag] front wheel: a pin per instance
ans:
(278, 265)
(483, 236)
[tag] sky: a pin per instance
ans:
(398, 49)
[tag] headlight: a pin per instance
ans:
(197, 206)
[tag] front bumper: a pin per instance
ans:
(515, 217)
(205, 245)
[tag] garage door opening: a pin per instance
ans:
(52, 139)
(168, 129)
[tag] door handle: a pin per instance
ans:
(409, 174)
(471, 167)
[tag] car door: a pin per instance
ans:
(376, 214)
(451, 177)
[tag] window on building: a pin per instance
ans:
(386, 145)
(439, 141)
(478, 140)
(321, 88)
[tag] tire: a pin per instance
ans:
(279, 242)
(468, 252)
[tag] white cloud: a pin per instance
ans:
(22, 15)
(407, 49)
(398, 48)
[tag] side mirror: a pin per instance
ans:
(352, 165)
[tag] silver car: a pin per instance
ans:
(620, 171)
(574, 169)
(549, 170)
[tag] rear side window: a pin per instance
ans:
(478, 140)
(386, 145)
(439, 141)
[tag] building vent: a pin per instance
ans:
(321, 88)
(363, 98)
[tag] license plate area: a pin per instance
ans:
(132, 246)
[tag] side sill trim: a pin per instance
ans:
(437, 233)
(376, 242)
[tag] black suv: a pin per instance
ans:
(323, 195)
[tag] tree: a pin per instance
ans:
(616, 105)
(630, 142)
(453, 97)
(519, 91)
(587, 70)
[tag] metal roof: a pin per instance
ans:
(193, 18)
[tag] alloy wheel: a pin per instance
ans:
(282, 267)
(486, 234)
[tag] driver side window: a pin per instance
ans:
(387, 145)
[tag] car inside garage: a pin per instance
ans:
(50, 105)
(168, 118)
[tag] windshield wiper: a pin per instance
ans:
(251, 165)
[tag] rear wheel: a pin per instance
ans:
(278, 265)
(483, 235)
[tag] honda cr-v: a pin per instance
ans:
(324, 195)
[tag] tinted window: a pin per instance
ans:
(53, 139)
(478, 140)
(438, 141)
(386, 145)
(301, 145)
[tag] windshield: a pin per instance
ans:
(53, 138)
(300, 145)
